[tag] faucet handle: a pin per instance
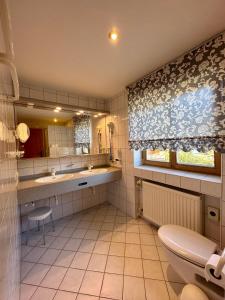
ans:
(90, 166)
(53, 171)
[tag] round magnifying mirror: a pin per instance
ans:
(22, 132)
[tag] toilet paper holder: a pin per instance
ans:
(215, 269)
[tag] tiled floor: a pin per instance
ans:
(98, 254)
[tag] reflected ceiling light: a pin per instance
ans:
(81, 111)
(113, 35)
(78, 113)
(99, 114)
(55, 120)
(95, 116)
(58, 108)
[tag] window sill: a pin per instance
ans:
(201, 183)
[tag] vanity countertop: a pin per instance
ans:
(31, 190)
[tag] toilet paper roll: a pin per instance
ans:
(210, 268)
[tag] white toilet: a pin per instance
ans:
(188, 253)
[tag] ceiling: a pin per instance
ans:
(64, 44)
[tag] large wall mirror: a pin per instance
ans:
(57, 131)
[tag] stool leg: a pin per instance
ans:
(43, 231)
(53, 224)
(38, 225)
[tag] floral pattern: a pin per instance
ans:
(82, 125)
(182, 105)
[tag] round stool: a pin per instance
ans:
(40, 214)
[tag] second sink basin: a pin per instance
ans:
(49, 179)
(94, 171)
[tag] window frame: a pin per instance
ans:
(172, 164)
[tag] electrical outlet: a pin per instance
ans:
(213, 213)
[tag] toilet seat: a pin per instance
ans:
(187, 244)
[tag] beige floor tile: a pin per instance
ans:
(64, 259)
(117, 249)
(156, 290)
(157, 241)
(49, 256)
(87, 246)
(112, 286)
(92, 283)
(72, 244)
(110, 219)
(48, 241)
(115, 264)
(149, 252)
(120, 227)
(133, 250)
(107, 226)
(25, 268)
(59, 243)
(35, 254)
(79, 233)
(54, 277)
(36, 274)
(152, 269)
(132, 238)
(174, 289)
(61, 295)
(170, 274)
(101, 247)
(97, 262)
(132, 228)
(105, 235)
(96, 226)
(118, 237)
(67, 232)
(134, 288)
(147, 239)
(133, 267)
(72, 280)
(162, 255)
(81, 260)
(87, 297)
(26, 291)
(43, 293)
(91, 234)
(145, 229)
(25, 250)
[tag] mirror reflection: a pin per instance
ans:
(57, 133)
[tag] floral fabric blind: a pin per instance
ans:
(82, 125)
(182, 105)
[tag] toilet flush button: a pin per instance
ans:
(192, 292)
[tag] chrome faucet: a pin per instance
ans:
(90, 166)
(53, 172)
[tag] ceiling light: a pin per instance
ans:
(55, 120)
(99, 114)
(81, 111)
(95, 116)
(113, 36)
(58, 108)
(78, 113)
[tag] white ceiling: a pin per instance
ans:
(63, 44)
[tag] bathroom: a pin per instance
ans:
(112, 164)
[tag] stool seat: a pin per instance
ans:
(39, 213)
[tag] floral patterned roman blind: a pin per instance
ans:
(82, 126)
(182, 105)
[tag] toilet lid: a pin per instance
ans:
(186, 243)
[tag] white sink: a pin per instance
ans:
(49, 179)
(94, 171)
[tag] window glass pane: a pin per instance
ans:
(158, 155)
(196, 158)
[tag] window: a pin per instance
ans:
(194, 161)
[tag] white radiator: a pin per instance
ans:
(163, 205)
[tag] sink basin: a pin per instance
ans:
(49, 179)
(94, 171)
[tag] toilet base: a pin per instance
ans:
(191, 273)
